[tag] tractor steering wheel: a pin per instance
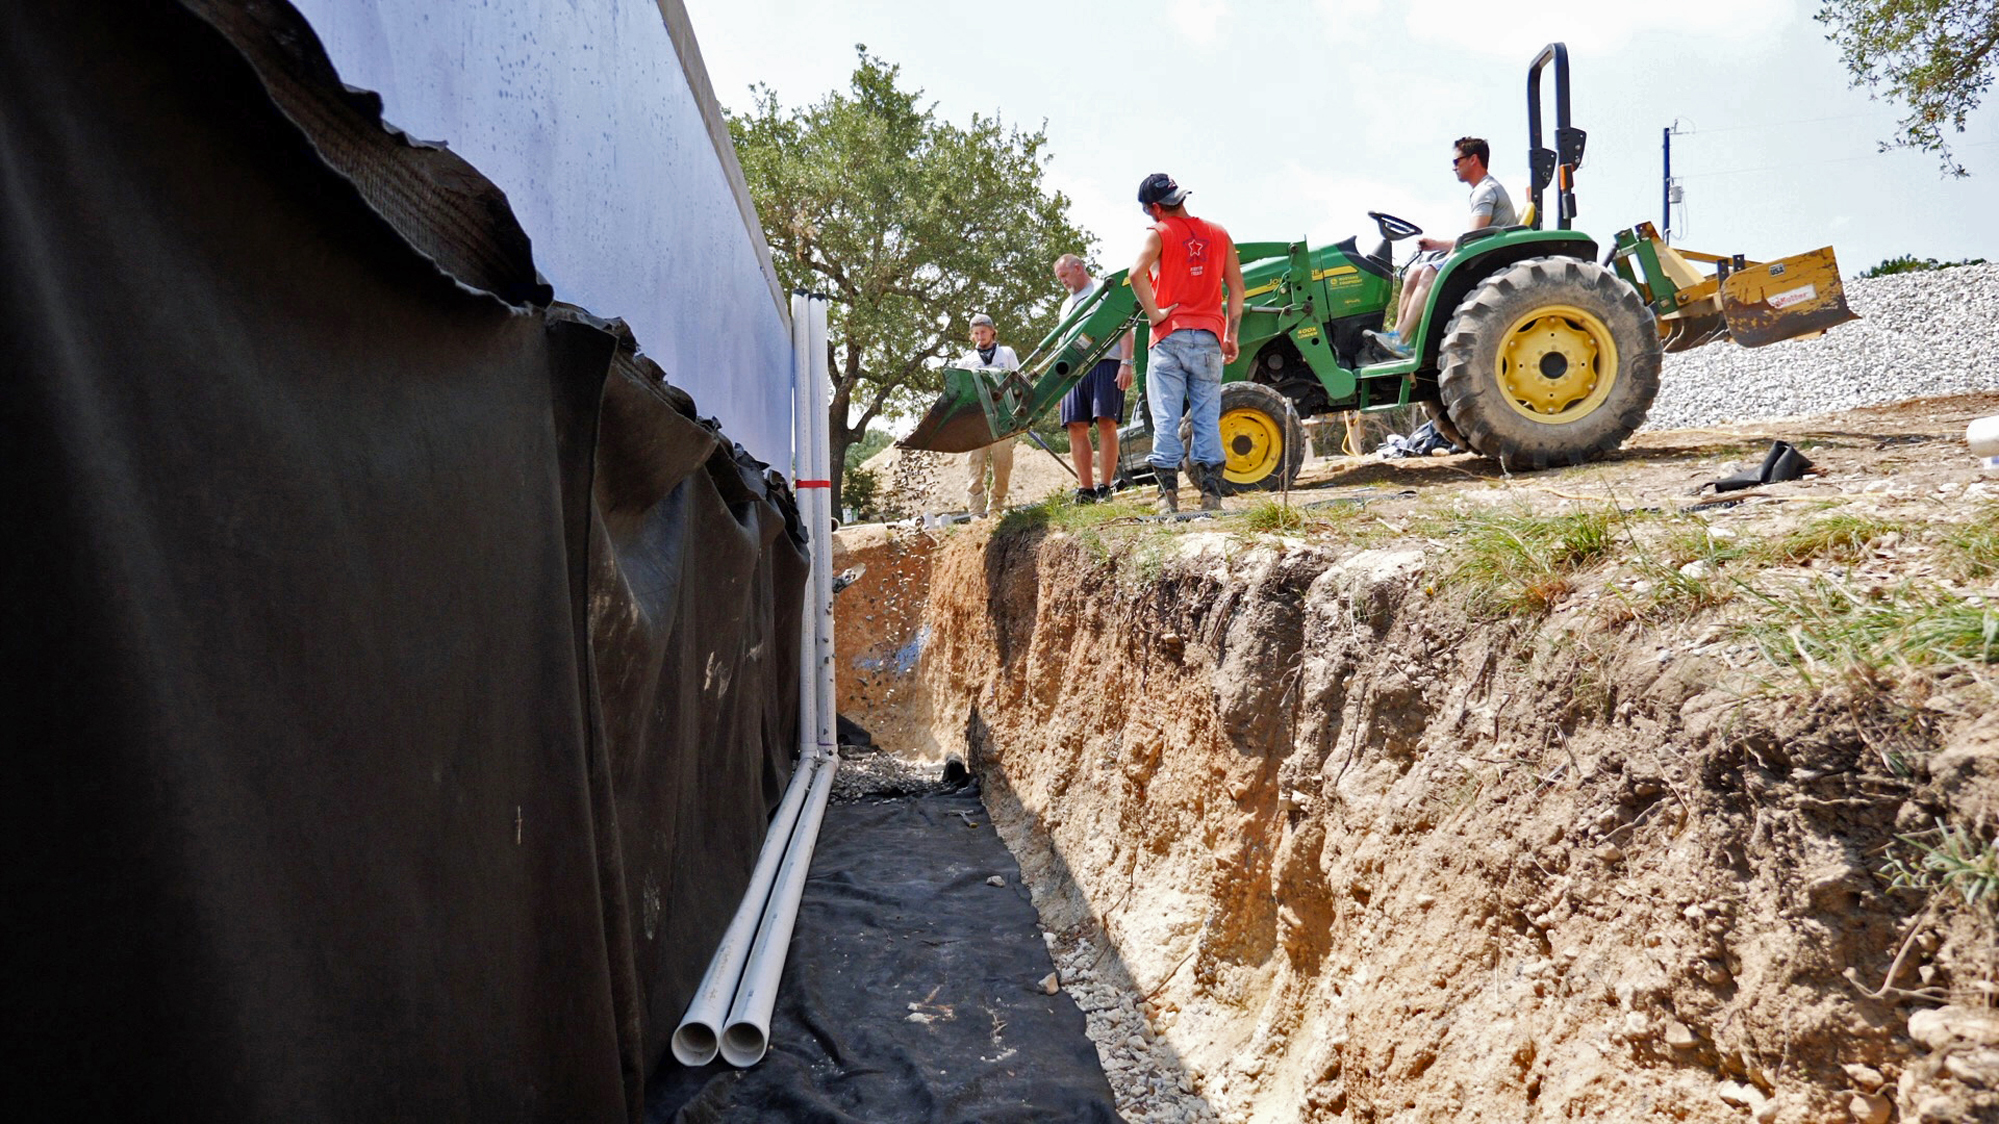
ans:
(1392, 228)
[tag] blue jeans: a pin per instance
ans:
(1185, 369)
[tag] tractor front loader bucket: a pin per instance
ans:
(974, 411)
(1797, 296)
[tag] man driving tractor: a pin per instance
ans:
(1490, 206)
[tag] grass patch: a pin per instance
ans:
(1946, 858)
(1517, 562)
(1694, 540)
(1840, 538)
(1273, 518)
(1826, 628)
(1682, 569)
(1970, 550)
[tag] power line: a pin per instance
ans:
(1695, 132)
(1815, 162)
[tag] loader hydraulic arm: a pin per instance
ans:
(977, 409)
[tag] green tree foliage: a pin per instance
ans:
(1909, 263)
(911, 225)
(860, 494)
(870, 443)
(1936, 57)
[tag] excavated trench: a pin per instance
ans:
(1311, 843)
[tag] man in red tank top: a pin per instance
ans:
(1179, 281)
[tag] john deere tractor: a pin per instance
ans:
(1536, 347)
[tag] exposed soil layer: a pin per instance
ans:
(1364, 849)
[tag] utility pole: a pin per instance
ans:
(1669, 192)
(1666, 183)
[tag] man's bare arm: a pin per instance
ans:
(1232, 275)
(1141, 279)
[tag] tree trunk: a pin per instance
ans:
(838, 435)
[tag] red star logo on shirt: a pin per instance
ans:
(1197, 256)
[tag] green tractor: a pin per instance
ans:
(1528, 350)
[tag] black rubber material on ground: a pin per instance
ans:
(911, 990)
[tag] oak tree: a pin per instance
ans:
(911, 225)
(1936, 57)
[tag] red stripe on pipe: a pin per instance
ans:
(815, 483)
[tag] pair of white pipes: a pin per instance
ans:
(731, 1010)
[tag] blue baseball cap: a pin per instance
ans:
(1159, 188)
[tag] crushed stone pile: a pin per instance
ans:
(1919, 335)
(867, 773)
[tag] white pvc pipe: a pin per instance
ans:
(778, 883)
(698, 1037)
(803, 413)
(827, 735)
(1983, 437)
(747, 1036)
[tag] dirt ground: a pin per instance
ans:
(1372, 830)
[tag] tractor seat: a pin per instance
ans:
(1468, 237)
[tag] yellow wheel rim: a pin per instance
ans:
(1253, 444)
(1556, 364)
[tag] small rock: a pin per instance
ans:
(1425, 901)
(1975, 1067)
(996, 880)
(1935, 1027)
(1869, 1108)
(1741, 1096)
(1050, 984)
(1679, 1037)
(1864, 1077)
(1936, 1110)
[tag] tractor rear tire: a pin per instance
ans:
(1263, 442)
(1549, 361)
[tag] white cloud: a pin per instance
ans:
(1344, 19)
(1476, 26)
(1343, 201)
(1199, 20)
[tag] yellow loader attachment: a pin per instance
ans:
(1752, 302)
(1786, 299)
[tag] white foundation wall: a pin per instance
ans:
(598, 122)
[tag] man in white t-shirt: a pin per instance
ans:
(988, 354)
(1490, 206)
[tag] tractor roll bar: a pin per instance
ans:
(1558, 165)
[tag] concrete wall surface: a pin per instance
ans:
(598, 122)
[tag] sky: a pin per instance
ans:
(1290, 118)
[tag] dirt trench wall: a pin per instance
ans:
(1371, 861)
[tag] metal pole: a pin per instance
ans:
(1666, 184)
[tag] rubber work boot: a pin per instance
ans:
(1169, 491)
(1211, 487)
